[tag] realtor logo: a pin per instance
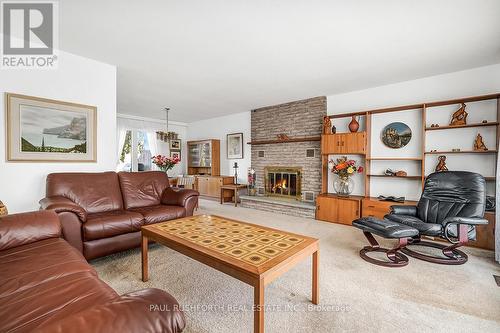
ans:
(29, 34)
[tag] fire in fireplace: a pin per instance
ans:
(283, 182)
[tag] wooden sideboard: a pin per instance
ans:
(378, 208)
(210, 186)
(337, 209)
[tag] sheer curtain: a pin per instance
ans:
(153, 145)
(121, 133)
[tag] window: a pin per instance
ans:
(136, 151)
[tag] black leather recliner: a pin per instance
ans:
(451, 205)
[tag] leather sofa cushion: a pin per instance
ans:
(36, 288)
(160, 213)
(23, 267)
(109, 224)
(142, 189)
(429, 229)
(94, 192)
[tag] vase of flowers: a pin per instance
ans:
(344, 169)
(165, 163)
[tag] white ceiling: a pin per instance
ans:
(211, 58)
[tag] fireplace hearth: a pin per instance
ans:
(284, 182)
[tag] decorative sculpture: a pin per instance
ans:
(3, 209)
(401, 173)
(282, 137)
(459, 117)
(441, 166)
(327, 125)
(479, 143)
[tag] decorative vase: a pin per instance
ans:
(353, 125)
(343, 186)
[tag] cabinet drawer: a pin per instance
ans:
(376, 208)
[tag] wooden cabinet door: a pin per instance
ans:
(332, 143)
(326, 209)
(348, 211)
(203, 185)
(214, 184)
(354, 143)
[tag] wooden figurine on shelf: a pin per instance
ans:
(283, 137)
(479, 143)
(459, 117)
(441, 166)
(3, 209)
(327, 125)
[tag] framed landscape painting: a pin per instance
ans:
(46, 130)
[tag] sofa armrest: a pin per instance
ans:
(177, 197)
(148, 310)
(25, 228)
(464, 220)
(404, 210)
(61, 204)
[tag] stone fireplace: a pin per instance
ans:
(286, 156)
(283, 182)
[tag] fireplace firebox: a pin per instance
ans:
(283, 182)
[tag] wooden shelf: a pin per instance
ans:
(491, 151)
(404, 177)
(394, 159)
(463, 100)
(461, 126)
(267, 142)
(490, 178)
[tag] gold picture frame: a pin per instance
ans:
(46, 130)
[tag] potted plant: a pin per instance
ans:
(344, 169)
(165, 163)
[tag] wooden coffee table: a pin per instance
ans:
(250, 253)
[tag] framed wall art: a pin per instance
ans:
(396, 135)
(175, 144)
(175, 154)
(235, 146)
(46, 130)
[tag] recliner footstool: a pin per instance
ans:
(387, 229)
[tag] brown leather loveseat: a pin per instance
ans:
(102, 213)
(48, 286)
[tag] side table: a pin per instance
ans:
(232, 187)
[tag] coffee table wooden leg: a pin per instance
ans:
(258, 302)
(315, 277)
(236, 198)
(144, 250)
(221, 196)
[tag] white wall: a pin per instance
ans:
(218, 128)
(78, 80)
(477, 81)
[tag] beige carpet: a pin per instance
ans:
(355, 296)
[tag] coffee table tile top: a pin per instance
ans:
(248, 243)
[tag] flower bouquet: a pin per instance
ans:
(164, 163)
(344, 169)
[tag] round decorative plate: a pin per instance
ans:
(396, 135)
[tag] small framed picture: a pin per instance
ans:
(175, 154)
(175, 144)
(235, 146)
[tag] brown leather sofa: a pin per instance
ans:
(102, 213)
(48, 286)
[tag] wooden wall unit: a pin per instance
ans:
(204, 157)
(209, 186)
(378, 208)
(338, 209)
(343, 143)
